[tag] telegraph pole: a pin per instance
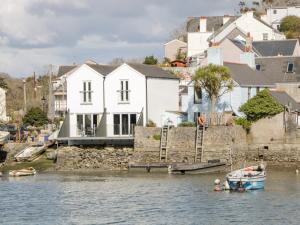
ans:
(25, 100)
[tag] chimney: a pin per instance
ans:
(226, 18)
(203, 21)
(248, 45)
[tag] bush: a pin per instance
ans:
(246, 124)
(157, 137)
(290, 25)
(150, 60)
(35, 117)
(187, 124)
(151, 124)
(261, 106)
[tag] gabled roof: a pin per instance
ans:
(275, 47)
(285, 100)
(245, 76)
(275, 68)
(102, 69)
(221, 29)
(152, 71)
(176, 40)
(213, 23)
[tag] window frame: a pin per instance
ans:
(124, 91)
(258, 67)
(287, 68)
(86, 93)
(197, 100)
(265, 36)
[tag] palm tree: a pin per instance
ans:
(215, 80)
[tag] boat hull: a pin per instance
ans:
(247, 184)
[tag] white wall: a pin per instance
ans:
(74, 101)
(3, 105)
(163, 95)
(231, 53)
(197, 43)
(137, 94)
(274, 19)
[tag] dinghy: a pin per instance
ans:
(30, 153)
(23, 172)
(249, 178)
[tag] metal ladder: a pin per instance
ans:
(199, 143)
(163, 154)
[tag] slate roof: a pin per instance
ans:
(275, 68)
(284, 99)
(152, 71)
(212, 23)
(64, 69)
(245, 76)
(220, 30)
(102, 69)
(275, 48)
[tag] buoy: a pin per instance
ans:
(217, 181)
(297, 171)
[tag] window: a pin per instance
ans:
(257, 90)
(87, 92)
(274, 11)
(197, 95)
(265, 36)
(258, 67)
(124, 91)
(79, 125)
(290, 68)
(278, 27)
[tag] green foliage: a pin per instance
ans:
(290, 25)
(261, 106)
(150, 60)
(187, 124)
(215, 80)
(3, 84)
(156, 137)
(246, 124)
(151, 124)
(35, 117)
(180, 55)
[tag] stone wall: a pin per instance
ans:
(74, 158)
(219, 143)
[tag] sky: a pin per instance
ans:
(36, 33)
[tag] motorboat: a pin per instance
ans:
(249, 178)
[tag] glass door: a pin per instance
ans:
(125, 124)
(117, 124)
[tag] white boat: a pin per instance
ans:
(30, 153)
(249, 178)
(23, 172)
(4, 136)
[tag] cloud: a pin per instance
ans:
(34, 33)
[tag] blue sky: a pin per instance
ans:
(36, 33)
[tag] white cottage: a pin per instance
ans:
(108, 101)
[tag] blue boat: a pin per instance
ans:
(250, 178)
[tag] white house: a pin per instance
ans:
(275, 14)
(247, 82)
(107, 101)
(3, 116)
(232, 28)
(173, 47)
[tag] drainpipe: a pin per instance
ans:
(146, 100)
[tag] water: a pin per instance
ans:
(140, 198)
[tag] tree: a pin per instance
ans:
(260, 106)
(215, 80)
(150, 60)
(35, 117)
(290, 25)
(180, 55)
(3, 84)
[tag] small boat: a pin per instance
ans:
(249, 178)
(23, 172)
(4, 136)
(30, 153)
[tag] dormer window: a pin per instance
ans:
(258, 67)
(290, 68)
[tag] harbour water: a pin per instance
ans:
(141, 198)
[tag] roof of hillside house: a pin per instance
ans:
(276, 68)
(213, 23)
(275, 47)
(284, 3)
(152, 71)
(284, 99)
(102, 69)
(245, 76)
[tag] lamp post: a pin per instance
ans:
(44, 102)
